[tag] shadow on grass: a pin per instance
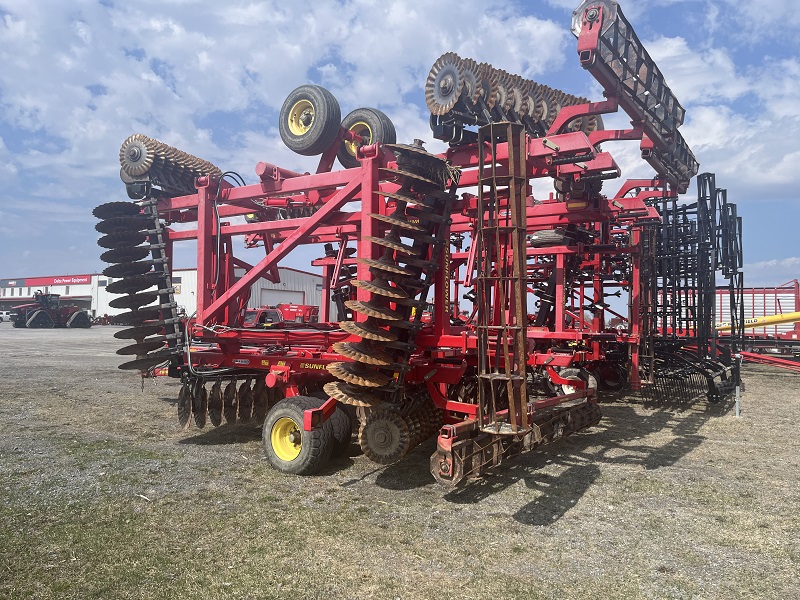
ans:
(411, 472)
(620, 438)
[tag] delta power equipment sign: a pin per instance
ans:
(45, 281)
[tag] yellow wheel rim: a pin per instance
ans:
(286, 439)
(363, 130)
(301, 117)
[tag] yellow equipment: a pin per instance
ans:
(791, 317)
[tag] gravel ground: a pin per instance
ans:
(103, 495)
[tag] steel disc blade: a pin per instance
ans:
(136, 156)
(131, 285)
(374, 309)
(356, 373)
(134, 300)
(368, 330)
(389, 266)
(471, 89)
(125, 254)
(142, 364)
(140, 332)
(416, 199)
(185, 404)
(215, 404)
(487, 85)
(504, 99)
(119, 240)
(364, 353)
(143, 347)
(123, 224)
(392, 243)
(381, 287)
(410, 152)
(351, 394)
(399, 221)
(136, 317)
(126, 269)
(398, 175)
(200, 407)
(422, 214)
(109, 210)
(444, 84)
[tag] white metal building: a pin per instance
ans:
(88, 291)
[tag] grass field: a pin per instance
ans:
(104, 496)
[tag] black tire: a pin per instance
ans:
(305, 456)
(612, 377)
(309, 120)
(79, 320)
(39, 320)
(575, 373)
(568, 373)
(18, 321)
(547, 237)
(369, 123)
(342, 432)
(341, 424)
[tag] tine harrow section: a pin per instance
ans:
(694, 243)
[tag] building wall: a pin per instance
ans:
(74, 289)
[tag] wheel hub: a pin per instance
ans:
(446, 85)
(384, 437)
(301, 117)
(286, 439)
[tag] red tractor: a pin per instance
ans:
(47, 311)
(264, 316)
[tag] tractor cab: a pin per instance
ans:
(51, 301)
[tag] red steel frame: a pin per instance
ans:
(342, 201)
(571, 339)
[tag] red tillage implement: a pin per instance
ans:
(406, 235)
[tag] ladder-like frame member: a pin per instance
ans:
(501, 280)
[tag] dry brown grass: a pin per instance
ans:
(103, 496)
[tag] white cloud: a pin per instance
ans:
(632, 9)
(771, 272)
(78, 78)
(765, 17)
(697, 76)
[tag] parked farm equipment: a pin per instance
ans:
(267, 316)
(401, 230)
(47, 311)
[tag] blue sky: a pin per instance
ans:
(78, 77)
